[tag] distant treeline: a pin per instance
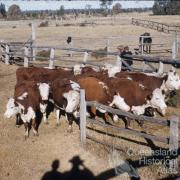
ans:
(14, 12)
(166, 7)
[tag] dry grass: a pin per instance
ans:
(21, 159)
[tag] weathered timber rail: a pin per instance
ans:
(156, 26)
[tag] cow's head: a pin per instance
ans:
(120, 103)
(173, 81)
(44, 90)
(77, 69)
(11, 108)
(157, 100)
(72, 97)
(112, 69)
(73, 100)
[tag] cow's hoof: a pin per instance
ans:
(69, 130)
(36, 134)
(17, 126)
(25, 137)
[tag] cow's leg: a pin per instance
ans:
(93, 112)
(127, 122)
(57, 117)
(26, 125)
(18, 119)
(70, 120)
(45, 118)
(107, 118)
(149, 48)
(140, 123)
(34, 127)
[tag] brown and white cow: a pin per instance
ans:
(28, 99)
(124, 94)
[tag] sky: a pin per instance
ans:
(53, 5)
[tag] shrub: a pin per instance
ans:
(44, 24)
(43, 53)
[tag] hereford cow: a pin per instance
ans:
(29, 99)
(124, 94)
(63, 91)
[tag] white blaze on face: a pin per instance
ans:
(29, 115)
(73, 100)
(77, 69)
(158, 101)
(119, 102)
(11, 109)
(44, 90)
(173, 81)
(23, 96)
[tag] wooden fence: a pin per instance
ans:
(156, 26)
(173, 123)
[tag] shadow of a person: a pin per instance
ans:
(79, 170)
(53, 174)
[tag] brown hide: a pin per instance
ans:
(33, 98)
(41, 74)
(133, 94)
(58, 88)
(150, 82)
(94, 90)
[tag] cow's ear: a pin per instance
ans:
(149, 97)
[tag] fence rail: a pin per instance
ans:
(156, 26)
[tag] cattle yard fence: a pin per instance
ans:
(24, 53)
(173, 123)
(156, 26)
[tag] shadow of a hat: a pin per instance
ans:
(76, 160)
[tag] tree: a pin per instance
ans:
(2, 10)
(61, 11)
(117, 8)
(166, 7)
(14, 12)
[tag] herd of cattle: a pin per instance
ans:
(135, 92)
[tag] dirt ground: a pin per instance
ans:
(30, 159)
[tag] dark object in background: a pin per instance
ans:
(69, 39)
(147, 41)
(127, 59)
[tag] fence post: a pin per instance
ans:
(85, 57)
(82, 117)
(142, 44)
(174, 142)
(7, 55)
(33, 36)
(26, 54)
(107, 44)
(119, 62)
(174, 50)
(51, 60)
